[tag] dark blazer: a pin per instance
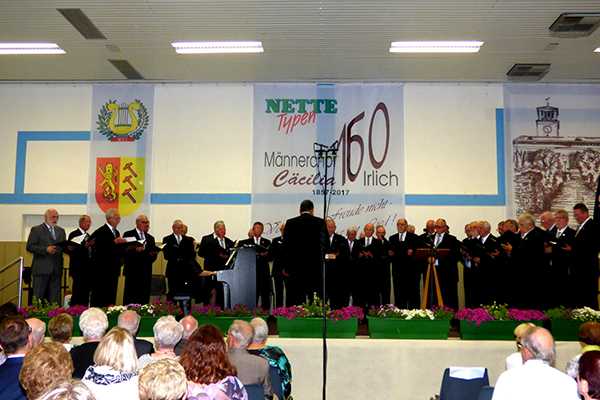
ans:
(135, 261)
(37, 242)
(400, 258)
(370, 254)
(585, 250)
(278, 256)
(83, 357)
(262, 260)
(10, 389)
(447, 268)
(80, 256)
(143, 347)
(338, 246)
(304, 238)
(180, 257)
(106, 254)
(562, 259)
(214, 255)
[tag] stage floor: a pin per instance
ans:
(382, 369)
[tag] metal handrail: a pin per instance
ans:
(21, 262)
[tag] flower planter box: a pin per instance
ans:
(146, 326)
(313, 328)
(394, 328)
(222, 322)
(488, 330)
(565, 329)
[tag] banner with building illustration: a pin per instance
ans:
(294, 123)
(554, 143)
(120, 151)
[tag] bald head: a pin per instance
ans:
(130, 321)
(430, 226)
(190, 324)
(538, 344)
(38, 330)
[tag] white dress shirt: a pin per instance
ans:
(535, 380)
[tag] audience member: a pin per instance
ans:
(114, 373)
(167, 333)
(15, 339)
(209, 372)
(588, 379)
(130, 321)
(44, 367)
(7, 310)
(589, 339)
(61, 330)
(515, 359)
(273, 354)
(190, 324)
(163, 380)
(38, 330)
(73, 390)
(537, 378)
(252, 370)
(93, 323)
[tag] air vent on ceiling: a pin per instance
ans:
(126, 69)
(528, 72)
(81, 22)
(573, 25)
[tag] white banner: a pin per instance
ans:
(120, 151)
(367, 123)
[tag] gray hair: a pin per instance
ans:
(528, 218)
(352, 229)
(218, 223)
(261, 330)
(93, 323)
(111, 212)
(130, 321)
(542, 350)
(242, 332)
(167, 332)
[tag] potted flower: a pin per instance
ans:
(391, 322)
(565, 322)
(112, 313)
(222, 318)
(494, 322)
(306, 320)
(149, 313)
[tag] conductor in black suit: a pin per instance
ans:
(406, 273)
(561, 281)
(279, 267)
(304, 240)
(215, 249)
(337, 256)
(80, 263)
(180, 253)
(107, 254)
(368, 262)
(263, 256)
(447, 268)
(585, 258)
(138, 263)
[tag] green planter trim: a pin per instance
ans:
(313, 328)
(393, 328)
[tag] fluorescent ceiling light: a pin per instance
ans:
(217, 47)
(30, 48)
(436, 47)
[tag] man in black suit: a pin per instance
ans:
(428, 232)
(384, 278)
(351, 284)
(304, 239)
(560, 283)
(263, 256)
(446, 266)
(180, 253)
(279, 270)
(80, 262)
(215, 249)
(130, 321)
(585, 258)
(139, 257)
(369, 250)
(406, 273)
(471, 272)
(508, 240)
(47, 264)
(337, 254)
(487, 261)
(106, 255)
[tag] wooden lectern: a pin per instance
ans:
(431, 284)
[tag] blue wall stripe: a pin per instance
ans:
(201, 198)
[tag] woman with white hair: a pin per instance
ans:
(273, 354)
(93, 323)
(167, 333)
(114, 373)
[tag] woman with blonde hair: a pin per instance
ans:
(515, 359)
(114, 373)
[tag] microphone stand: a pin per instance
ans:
(325, 153)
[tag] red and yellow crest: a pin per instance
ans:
(120, 183)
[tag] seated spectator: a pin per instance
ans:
(130, 321)
(72, 390)
(515, 359)
(61, 330)
(209, 373)
(114, 373)
(273, 354)
(537, 378)
(163, 380)
(252, 370)
(44, 367)
(15, 339)
(190, 324)
(7, 310)
(93, 323)
(38, 330)
(588, 379)
(589, 339)
(167, 333)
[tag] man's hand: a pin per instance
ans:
(409, 252)
(207, 273)
(567, 247)
(90, 243)
(120, 240)
(330, 256)
(391, 253)
(51, 249)
(139, 249)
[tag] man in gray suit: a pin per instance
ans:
(47, 265)
(251, 369)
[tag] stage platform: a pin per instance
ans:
(380, 369)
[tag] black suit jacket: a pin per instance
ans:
(562, 259)
(263, 256)
(528, 254)
(106, 254)
(304, 240)
(83, 357)
(278, 256)
(181, 258)
(214, 255)
(337, 245)
(143, 347)
(369, 256)
(585, 250)
(401, 257)
(80, 256)
(139, 261)
(447, 268)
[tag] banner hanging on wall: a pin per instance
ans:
(120, 151)
(554, 134)
(364, 121)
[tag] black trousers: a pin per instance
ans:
(280, 285)
(104, 287)
(82, 288)
(263, 286)
(406, 286)
(138, 285)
